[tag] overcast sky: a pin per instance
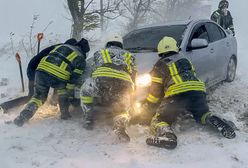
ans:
(16, 16)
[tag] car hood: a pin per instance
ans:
(145, 61)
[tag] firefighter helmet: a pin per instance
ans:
(223, 3)
(114, 39)
(167, 44)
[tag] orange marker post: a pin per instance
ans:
(39, 38)
(18, 59)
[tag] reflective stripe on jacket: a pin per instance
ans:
(116, 64)
(183, 78)
(59, 62)
(171, 76)
(127, 59)
(112, 73)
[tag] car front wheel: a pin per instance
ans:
(231, 70)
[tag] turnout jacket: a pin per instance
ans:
(225, 21)
(65, 62)
(113, 62)
(171, 76)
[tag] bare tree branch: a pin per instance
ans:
(136, 11)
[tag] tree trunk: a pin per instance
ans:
(76, 31)
(75, 13)
(101, 14)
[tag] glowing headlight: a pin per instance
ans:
(138, 105)
(143, 80)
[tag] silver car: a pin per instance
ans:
(211, 49)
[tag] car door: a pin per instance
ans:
(203, 59)
(219, 42)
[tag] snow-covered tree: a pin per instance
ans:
(135, 11)
(171, 10)
(89, 14)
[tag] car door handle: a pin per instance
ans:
(211, 50)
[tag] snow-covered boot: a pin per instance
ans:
(88, 117)
(121, 134)
(19, 121)
(119, 128)
(64, 108)
(88, 124)
(165, 138)
(222, 126)
(26, 114)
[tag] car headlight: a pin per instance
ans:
(143, 80)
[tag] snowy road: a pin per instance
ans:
(48, 142)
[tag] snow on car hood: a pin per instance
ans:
(145, 61)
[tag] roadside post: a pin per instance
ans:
(18, 59)
(39, 38)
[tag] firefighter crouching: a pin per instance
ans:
(175, 89)
(111, 84)
(61, 69)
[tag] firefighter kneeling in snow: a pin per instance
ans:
(111, 84)
(175, 89)
(60, 69)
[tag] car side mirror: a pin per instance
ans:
(198, 43)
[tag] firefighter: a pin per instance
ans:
(111, 84)
(223, 17)
(32, 65)
(61, 69)
(175, 89)
(34, 62)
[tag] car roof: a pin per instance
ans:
(179, 22)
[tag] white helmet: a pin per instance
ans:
(114, 38)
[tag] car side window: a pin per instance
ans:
(200, 32)
(223, 35)
(215, 33)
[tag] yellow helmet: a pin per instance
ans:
(167, 44)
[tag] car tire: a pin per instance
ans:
(231, 70)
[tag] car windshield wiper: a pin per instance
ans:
(141, 48)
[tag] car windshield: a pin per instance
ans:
(148, 38)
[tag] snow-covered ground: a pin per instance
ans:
(49, 142)
(46, 141)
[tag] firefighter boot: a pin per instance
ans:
(165, 138)
(65, 115)
(222, 126)
(119, 128)
(88, 121)
(19, 121)
(64, 108)
(24, 116)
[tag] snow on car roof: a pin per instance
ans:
(178, 22)
(181, 22)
